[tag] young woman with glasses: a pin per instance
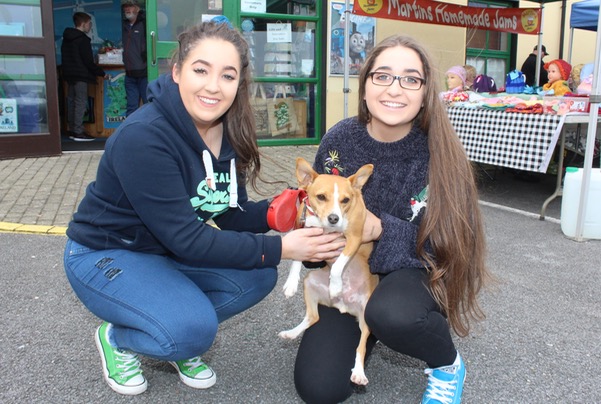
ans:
(424, 218)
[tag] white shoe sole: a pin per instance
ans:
(196, 383)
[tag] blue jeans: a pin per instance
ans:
(159, 307)
(135, 90)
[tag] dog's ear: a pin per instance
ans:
(361, 176)
(304, 173)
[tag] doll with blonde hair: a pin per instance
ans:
(574, 80)
(470, 76)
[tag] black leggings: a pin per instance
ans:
(401, 313)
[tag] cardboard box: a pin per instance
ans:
(114, 57)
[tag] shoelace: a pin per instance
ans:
(194, 363)
(127, 363)
(439, 389)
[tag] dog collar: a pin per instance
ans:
(307, 211)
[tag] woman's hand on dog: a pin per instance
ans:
(372, 229)
(311, 244)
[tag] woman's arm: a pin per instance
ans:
(372, 229)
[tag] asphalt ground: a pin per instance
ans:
(539, 342)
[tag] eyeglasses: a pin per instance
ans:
(406, 82)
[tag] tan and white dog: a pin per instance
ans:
(336, 204)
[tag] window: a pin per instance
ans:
(22, 95)
(488, 51)
(20, 18)
(29, 118)
(286, 60)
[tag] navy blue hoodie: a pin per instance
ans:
(150, 194)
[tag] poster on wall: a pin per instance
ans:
(361, 36)
(8, 115)
(115, 103)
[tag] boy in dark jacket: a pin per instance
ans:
(134, 55)
(79, 69)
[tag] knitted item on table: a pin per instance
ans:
(559, 88)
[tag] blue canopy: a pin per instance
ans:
(585, 15)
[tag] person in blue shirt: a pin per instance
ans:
(143, 253)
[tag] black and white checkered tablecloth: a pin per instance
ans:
(507, 139)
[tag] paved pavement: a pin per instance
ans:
(44, 192)
(539, 344)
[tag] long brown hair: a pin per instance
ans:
(239, 119)
(452, 222)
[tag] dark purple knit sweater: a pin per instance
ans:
(400, 173)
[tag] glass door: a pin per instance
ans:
(29, 118)
(286, 54)
(286, 58)
(166, 19)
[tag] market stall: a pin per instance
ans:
(515, 140)
(587, 12)
(584, 16)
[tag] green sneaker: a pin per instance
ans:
(195, 373)
(121, 369)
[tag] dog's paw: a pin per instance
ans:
(335, 287)
(358, 377)
(288, 334)
(290, 288)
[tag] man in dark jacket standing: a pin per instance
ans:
(134, 55)
(79, 69)
(529, 68)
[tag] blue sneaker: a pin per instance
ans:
(445, 384)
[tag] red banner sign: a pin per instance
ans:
(514, 20)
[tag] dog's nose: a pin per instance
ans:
(333, 219)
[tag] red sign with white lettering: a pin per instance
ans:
(514, 20)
